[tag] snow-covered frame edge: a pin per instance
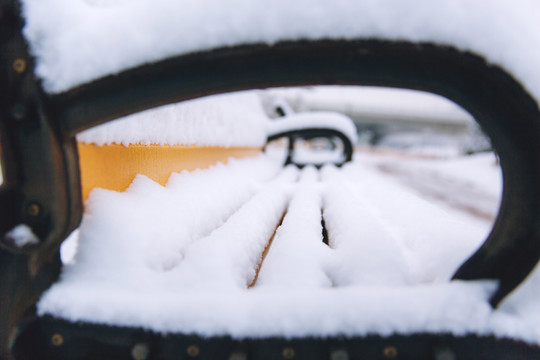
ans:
(505, 111)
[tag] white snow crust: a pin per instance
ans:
(181, 258)
(22, 235)
(236, 119)
(77, 41)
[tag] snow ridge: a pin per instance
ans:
(141, 263)
(77, 41)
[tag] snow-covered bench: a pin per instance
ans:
(489, 72)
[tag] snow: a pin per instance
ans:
(77, 41)
(361, 238)
(299, 241)
(202, 255)
(22, 235)
(160, 222)
(69, 247)
(243, 238)
(371, 101)
(236, 119)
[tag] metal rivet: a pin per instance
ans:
(57, 340)
(390, 352)
(19, 65)
(339, 355)
(288, 353)
(33, 209)
(445, 354)
(18, 111)
(140, 351)
(238, 356)
(193, 350)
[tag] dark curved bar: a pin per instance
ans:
(50, 338)
(310, 133)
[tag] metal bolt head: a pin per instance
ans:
(193, 350)
(57, 340)
(390, 352)
(445, 354)
(19, 65)
(288, 353)
(18, 111)
(238, 356)
(339, 355)
(140, 351)
(33, 209)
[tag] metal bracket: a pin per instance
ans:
(40, 188)
(311, 133)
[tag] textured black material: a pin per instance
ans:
(41, 186)
(84, 341)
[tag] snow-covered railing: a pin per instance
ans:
(313, 125)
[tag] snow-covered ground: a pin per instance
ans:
(240, 250)
(375, 103)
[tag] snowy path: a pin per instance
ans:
(450, 190)
(249, 249)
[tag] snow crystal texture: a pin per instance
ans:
(77, 41)
(227, 120)
(238, 250)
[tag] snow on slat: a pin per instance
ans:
(142, 232)
(368, 253)
(228, 258)
(116, 285)
(439, 239)
(234, 119)
(298, 258)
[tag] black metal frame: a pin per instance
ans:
(40, 158)
(56, 339)
(312, 133)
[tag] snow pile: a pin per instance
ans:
(228, 258)
(141, 233)
(361, 238)
(236, 119)
(202, 255)
(439, 235)
(22, 235)
(298, 258)
(77, 41)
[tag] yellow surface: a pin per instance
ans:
(114, 167)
